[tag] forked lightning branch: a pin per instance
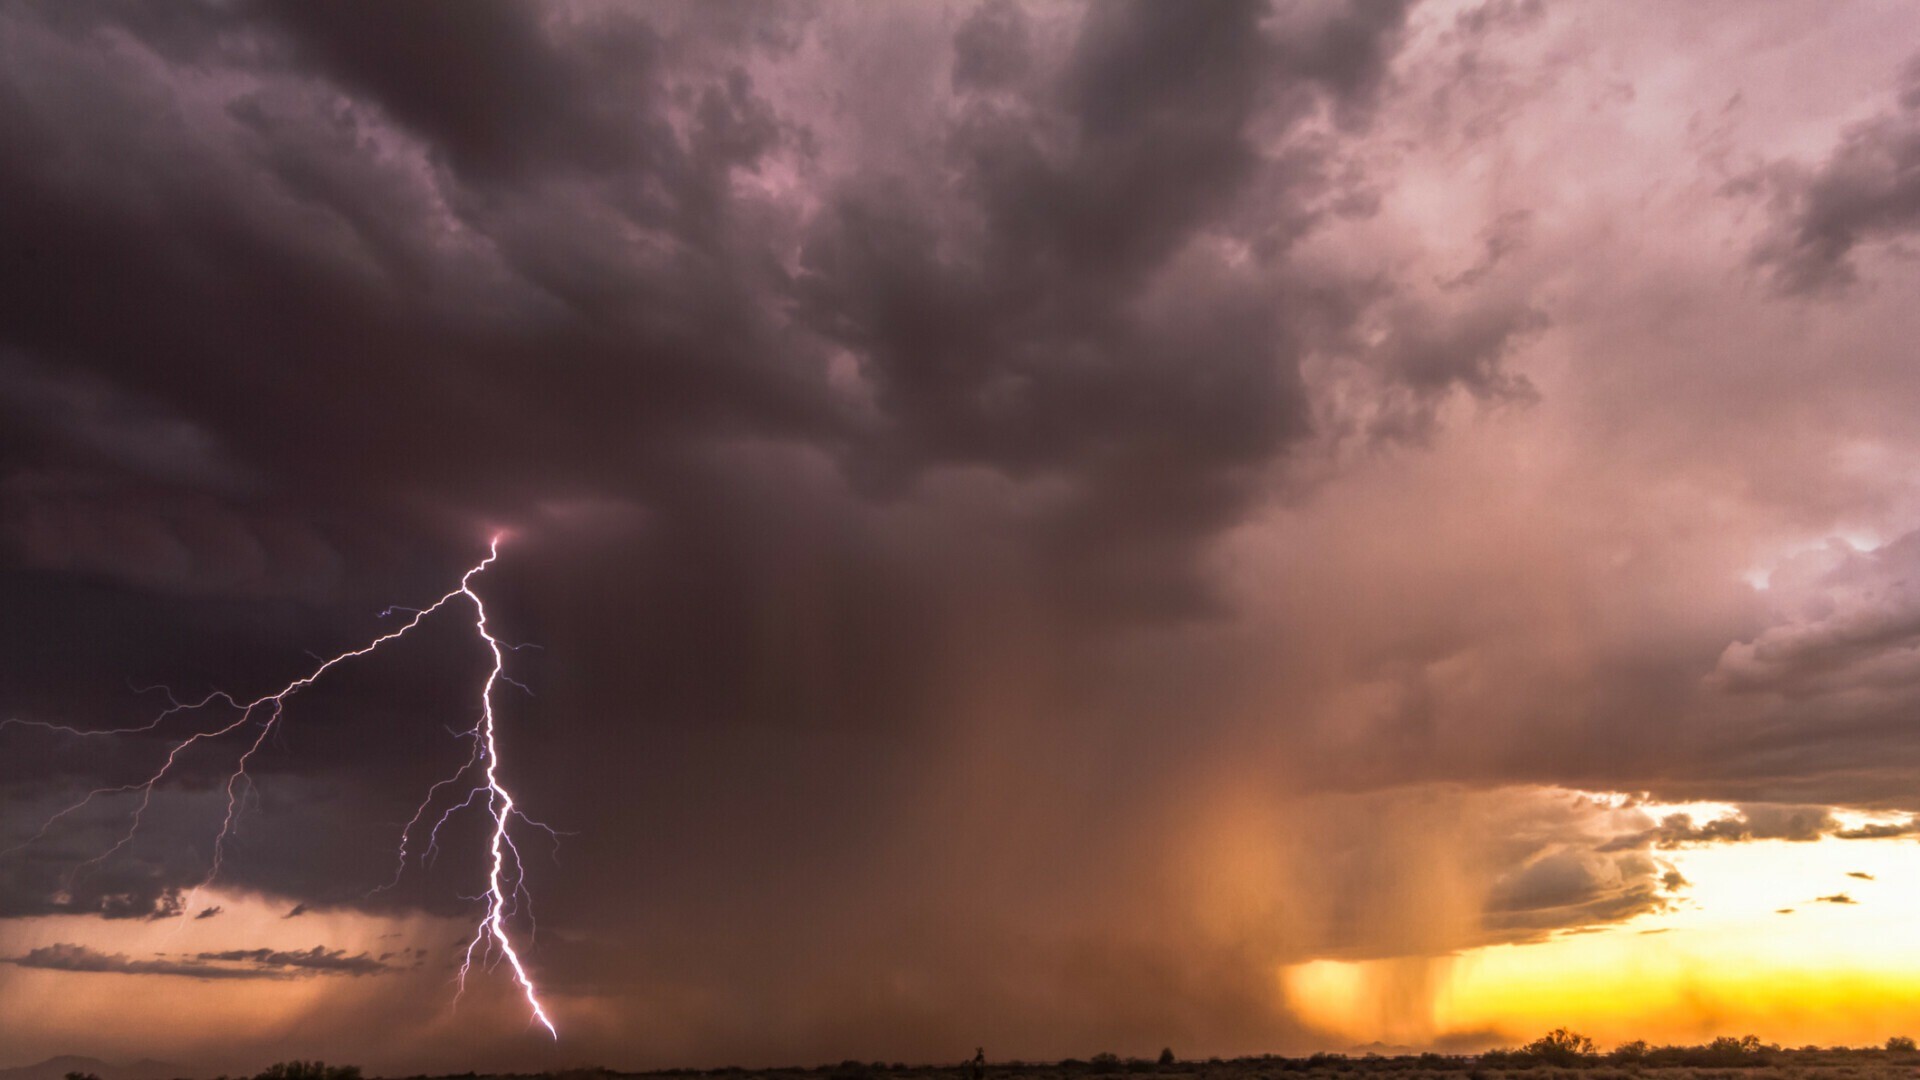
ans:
(255, 720)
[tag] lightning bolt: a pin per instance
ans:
(500, 805)
(506, 876)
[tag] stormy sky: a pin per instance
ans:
(1035, 517)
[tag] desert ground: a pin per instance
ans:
(1726, 1059)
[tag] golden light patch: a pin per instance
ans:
(1810, 942)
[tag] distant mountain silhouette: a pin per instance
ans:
(56, 1068)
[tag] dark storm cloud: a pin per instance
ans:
(82, 421)
(1866, 192)
(1057, 340)
(990, 50)
(485, 85)
(333, 250)
(231, 964)
(41, 880)
(1057, 335)
(297, 293)
(807, 444)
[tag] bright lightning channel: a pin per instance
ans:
(506, 879)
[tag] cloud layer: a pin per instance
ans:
(229, 964)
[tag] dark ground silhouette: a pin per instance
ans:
(1558, 1055)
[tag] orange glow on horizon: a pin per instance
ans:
(1751, 948)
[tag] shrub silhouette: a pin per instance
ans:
(1628, 1052)
(1166, 1054)
(1727, 1050)
(1724, 1052)
(1559, 1055)
(309, 1070)
(1560, 1047)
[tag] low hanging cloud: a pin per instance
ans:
(317, 959)
(1753, 821)
(1571, 887)
(231, 964)
(1883, 830)
(1757, 821)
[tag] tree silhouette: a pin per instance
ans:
(309, 1070)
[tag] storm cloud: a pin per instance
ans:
(1035, 516)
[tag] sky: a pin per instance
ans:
(1059, 527)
